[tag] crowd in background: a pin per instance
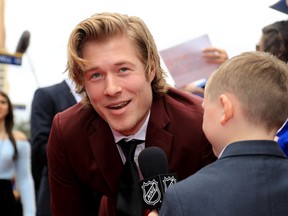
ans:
(24, 172)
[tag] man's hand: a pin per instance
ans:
(153, 213)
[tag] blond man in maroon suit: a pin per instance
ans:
(114, 62)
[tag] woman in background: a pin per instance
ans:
(274, 39)
(15, 164)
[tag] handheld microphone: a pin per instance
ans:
(154, 168)
(23, 42)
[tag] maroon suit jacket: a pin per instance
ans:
(83, 157)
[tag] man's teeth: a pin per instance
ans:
(119, 106)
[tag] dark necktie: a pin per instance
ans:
(129, 196)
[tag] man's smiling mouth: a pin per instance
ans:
(119, 106)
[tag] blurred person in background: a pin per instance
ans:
(15, 165)
(274, 39)
(47, 101)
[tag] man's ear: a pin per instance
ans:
(228, 109)
(151, 75)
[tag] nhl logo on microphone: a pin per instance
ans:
(168, 181)
(151, 192)
(153, 189)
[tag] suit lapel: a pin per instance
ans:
(156, 134)
(106, 154)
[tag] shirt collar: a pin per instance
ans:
(72, 87)
(140, 135)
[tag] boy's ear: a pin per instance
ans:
(228, 109)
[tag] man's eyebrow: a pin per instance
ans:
(124, 62)
(93, 68)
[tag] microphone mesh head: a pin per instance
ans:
(152, 162)
(23, 42)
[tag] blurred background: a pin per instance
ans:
(231, 25)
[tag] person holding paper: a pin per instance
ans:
(211, 55)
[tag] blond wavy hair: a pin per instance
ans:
(103, 26)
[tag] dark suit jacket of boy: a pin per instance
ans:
(250, 178)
